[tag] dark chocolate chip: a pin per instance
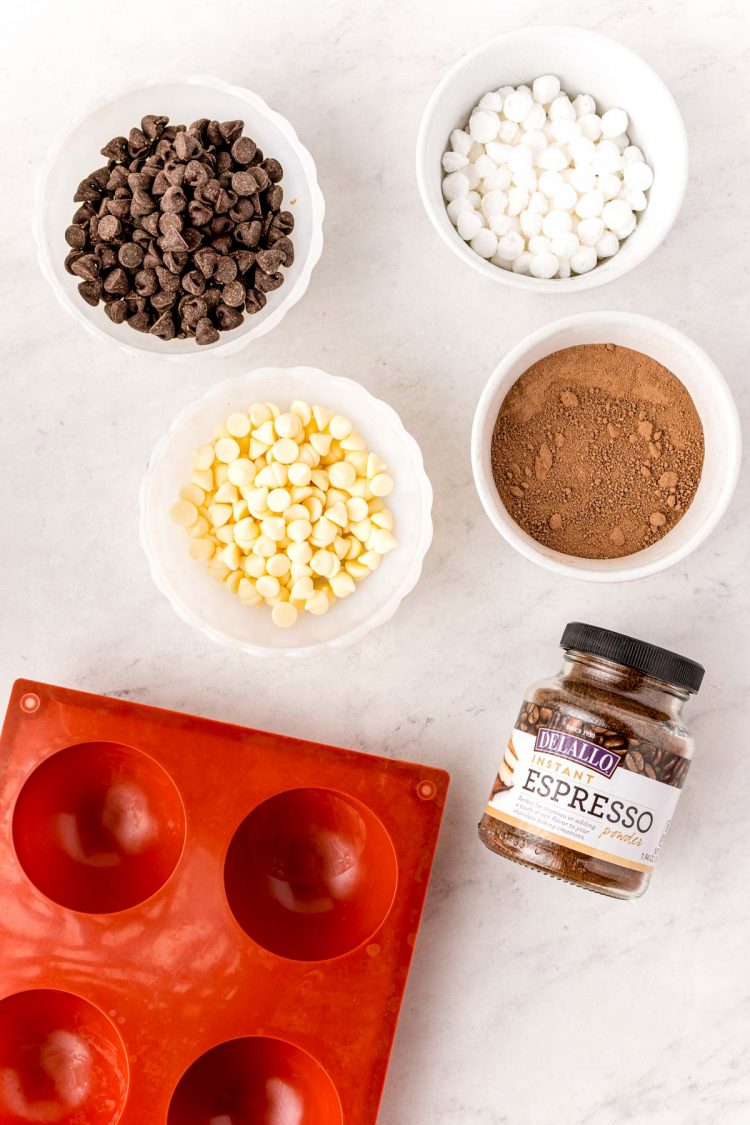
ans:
(226, 270)
(249, 233)
(244, 183)
(87, 266)
(285, 247)
(228, 318)
(130, 255)
(274, 197)
(194, 282)
(267, 282)
(273, 169)
(199, 213)
(117, 311)
(75, 236)
(233, 294)
(141, 321)
(142, 203)
(146, 282)
(153, 126)
(91, 291)
(205, 333)
(270, 260)
(109, 227)
(116, 149)
(206, 260)
(174, 200)
(255, 301)
(137, 142)
(243, 150)
(231, 130)
(244, 259)
(117, 282)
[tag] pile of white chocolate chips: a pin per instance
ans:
(541, 184)
(287, 508)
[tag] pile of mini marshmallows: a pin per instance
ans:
(287, 508)
(543, 185)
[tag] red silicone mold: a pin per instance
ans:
(200, 924)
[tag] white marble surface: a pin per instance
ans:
(529, 1003)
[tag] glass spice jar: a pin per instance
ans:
(593, 770)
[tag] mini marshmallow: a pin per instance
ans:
(531, 223)
(582, 151)
(565, 245)
(518, 106)
(638, 176)
(545, 89)
(550, 182)
(535, 178)
(484, 243)
(614, 122)
(590, 125)
(564, 131)
(469, 224)
(590, 204)
(538, 202)
(561, 108)
(552, 158)
(518, 200)
(607, 245)
(583, 104)
(583, 260)
(492, 101)
(455, 184)
(483, 126)
(583, 179)
(544, 265)
(633, 154)
(460, 142)
(589, 231)
(510, 246)
(522, 264)
(556, 222)
(507, 132)
(636, 200)
(520, 159)
(564, 198)
(617, 215)
(609, 185)
(484, 166)
(606, 159)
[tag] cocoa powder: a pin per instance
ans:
(597, 451)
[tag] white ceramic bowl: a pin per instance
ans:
(713, 401)
(585, 62)
(209, 606)
(76, 153)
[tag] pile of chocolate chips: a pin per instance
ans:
(182, 231)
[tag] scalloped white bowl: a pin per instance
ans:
(208, 605)
(76, 153)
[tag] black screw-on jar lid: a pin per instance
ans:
(649, 659)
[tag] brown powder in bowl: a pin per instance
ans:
(597, 451)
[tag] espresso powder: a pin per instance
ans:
(597, 451)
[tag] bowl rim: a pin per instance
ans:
(566, 565)
(380, 616)
(615, 266)
(284, 127)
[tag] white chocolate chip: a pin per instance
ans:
(280, 501)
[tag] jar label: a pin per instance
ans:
(605, 796)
